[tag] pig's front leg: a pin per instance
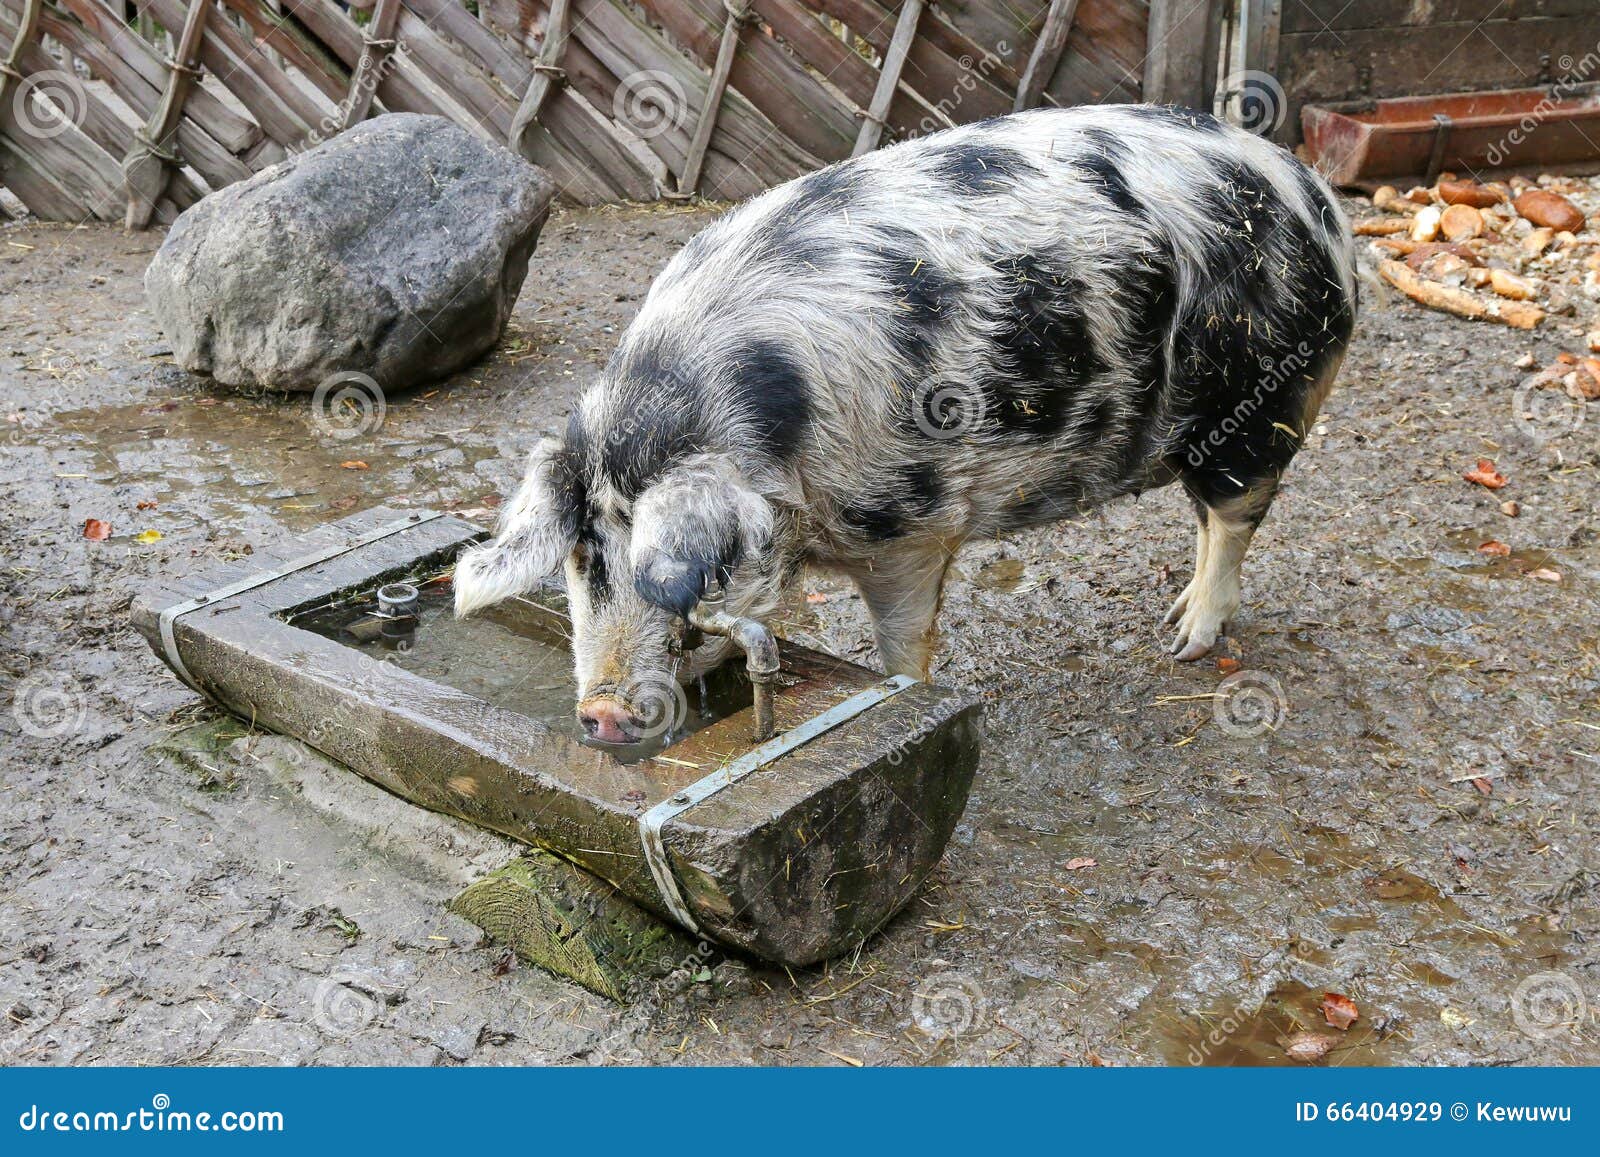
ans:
(902, 590)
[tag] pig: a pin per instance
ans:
(992, 327)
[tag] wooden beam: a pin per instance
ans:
(148, 163)
(1180, 67)
(377, 42)
(894, 60)
(547, 74)
(738, 16)
(1047, 52)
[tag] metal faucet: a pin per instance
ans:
(760, 653)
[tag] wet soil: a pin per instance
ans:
(1392, 798)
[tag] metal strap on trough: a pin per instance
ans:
(651, 823)
(169, 641)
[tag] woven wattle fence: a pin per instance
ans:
(131, 111)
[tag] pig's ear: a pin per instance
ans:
(537, 530)
(694, 526)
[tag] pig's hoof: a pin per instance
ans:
(1198, 629)
(1180, 605)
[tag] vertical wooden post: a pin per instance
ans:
(738, 16)
(1046, 53)
(547, 73)
(1180, 67)
(377, 42)
(894, 61)
(146, 167)
(27, 28)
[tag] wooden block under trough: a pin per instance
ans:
(793, 853)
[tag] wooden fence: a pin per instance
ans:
(619, 99)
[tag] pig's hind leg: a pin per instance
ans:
(902, 590)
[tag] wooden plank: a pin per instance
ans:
(777, 83)
(1046, 53)
(843, 68)
(930, 69)
(35, 188)
(747, 154)
(738, 15)
(283, 109)
(1375, 14)
(894, 60)
(377, 42)
(1182, 42)
(84, 173)
(286, 34)
(235, 134)
(586, 157)
(108, 130)
(1412, 61)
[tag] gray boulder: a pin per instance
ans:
(395, 250)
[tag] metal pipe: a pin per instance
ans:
(760, 654)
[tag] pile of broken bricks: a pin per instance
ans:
(1517, 252)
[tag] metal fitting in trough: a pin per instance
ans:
(793, 849)
(760, 654)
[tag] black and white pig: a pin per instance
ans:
(989, 328)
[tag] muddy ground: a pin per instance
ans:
(1418, 831)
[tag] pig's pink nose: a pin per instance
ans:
(606, 720)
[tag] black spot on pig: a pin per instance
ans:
(976, 168)
(1043, 355)
(772, 392)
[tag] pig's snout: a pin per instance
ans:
(608, 721)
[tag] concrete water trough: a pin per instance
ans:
(792, 850)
